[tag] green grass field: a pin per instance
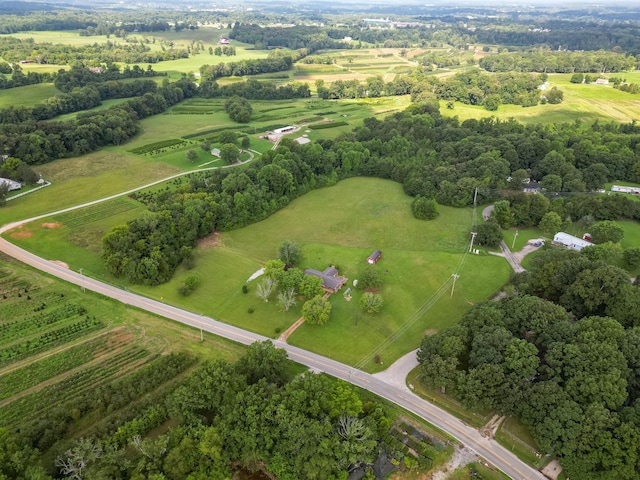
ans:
(338, 225)
(587, 103)
(27, 96)
(341, 225)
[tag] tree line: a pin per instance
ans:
(275, 63)
(551, 61)
(14, 50)
(433, 157)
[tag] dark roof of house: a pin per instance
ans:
(375, 254)
(532, 186)
(383, 466)
(330, 277)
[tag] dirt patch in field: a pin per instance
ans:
(51, 225)
(60, 262)
(430, 331)
(20, 233)
(210, 241)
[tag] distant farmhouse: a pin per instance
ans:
(224, 41)
(10, 184)
(374, 257)
(331, 281)
(531, 187)
(621, 189)
(570, 242)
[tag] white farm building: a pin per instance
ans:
(11, 185)
(570, 242)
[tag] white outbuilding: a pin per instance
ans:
(11, 185)
(569, 241)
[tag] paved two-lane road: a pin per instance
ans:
(487, 449)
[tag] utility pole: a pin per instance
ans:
(201, 336)
(455, 277)
(514, 240)
(473, 237)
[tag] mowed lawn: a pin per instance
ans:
(341, 225)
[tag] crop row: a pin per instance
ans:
(322, 126)
(70, 387)
(104, 400)
(49, 367)
(21, 327)
(17, 308)
(204, 133)
(48, 340)
(150, 147)
(96, 212)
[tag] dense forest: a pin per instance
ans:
(561, 354)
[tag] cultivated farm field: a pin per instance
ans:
(74, 364)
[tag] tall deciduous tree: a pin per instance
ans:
(316, 311)
(289, 252)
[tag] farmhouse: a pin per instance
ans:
(374, 257)
(531, 187)
(570, 242)
(331, 281)
(11, 185)
(224, 41)
(283, 130)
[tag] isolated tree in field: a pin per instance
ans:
(550, 223)
(289, 252)
(287, 299)
(229, 153)
(371, 302)
(245, 142)
(555, 95)
(370, 278)
(227, 137)
(316, 311)
(192, 155)
(424, 208)
(206, 145)
(489, 233)
(265, 288)
(606, 231)
(310, 286)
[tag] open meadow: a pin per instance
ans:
(338, 225)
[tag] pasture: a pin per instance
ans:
(340, 225)
(582, 102)
(337, 225)
(27, 96)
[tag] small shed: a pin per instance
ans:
(374, 257)
(215, 152)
